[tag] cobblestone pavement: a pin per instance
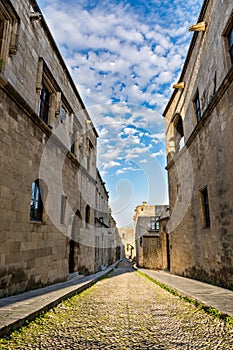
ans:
(123, 311)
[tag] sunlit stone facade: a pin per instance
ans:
(199, 133)
(49, 181)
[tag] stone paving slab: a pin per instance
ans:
(17, 309)
(209, 295)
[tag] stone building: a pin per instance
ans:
(151, 240)
(128, 242)
(106, 232)
(199, 132)
(51, 193)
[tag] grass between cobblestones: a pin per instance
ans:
(41, 325)
(210, 310)
(89, 320)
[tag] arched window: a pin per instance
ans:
(179, 132)
(36, 205)
(87, 214)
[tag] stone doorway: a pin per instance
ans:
(74, 242)
(168, 252)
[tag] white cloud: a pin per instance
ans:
(156, 154)
(125, 170)
(124, 60)
(110, 164)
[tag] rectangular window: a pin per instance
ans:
(75, 126)
(44, 104)
(1, 39)
(89, 153)
(9, 27)
(141, 241)
(197, 106)
(230, 39)
(63, 209)
(154, 223)
(63, 115)
(205, 205)
(73, 139)
(36, 205)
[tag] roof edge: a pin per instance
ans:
(191, 47)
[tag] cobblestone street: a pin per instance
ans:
(123, 311)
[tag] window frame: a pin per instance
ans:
(9, 34)
(87, 215)
(36, 213)
(63, 209)
(205, 207)
(178, 132)
(89, 153)
(228, 36)
(44, 105)
(197, 109)
(154, 223)
(45, 80)
(63, 114)
(230, 43)
(75, 128)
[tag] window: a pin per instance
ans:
(141, 241)
(63, 115)
(50, 96)
(197, 106)
(179, 132)
(36, 207)
(1, 40)
(154, 223)
(9, 25)
(230, 39)
(75, 126)
(44, 104)
(228, 35)
(205, 204)
(89, 153)
(87, 215)
(63, 209)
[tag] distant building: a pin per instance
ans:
(152, 245)
(106, 232)
(128, 242)
(53, 201)
(199, 142)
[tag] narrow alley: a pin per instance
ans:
(123, 311)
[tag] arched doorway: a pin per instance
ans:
(74, 244)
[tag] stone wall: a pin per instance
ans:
(59, 152)
(199, 249)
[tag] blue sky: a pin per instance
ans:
(124, 57)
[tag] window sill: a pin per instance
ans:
(36, 222)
